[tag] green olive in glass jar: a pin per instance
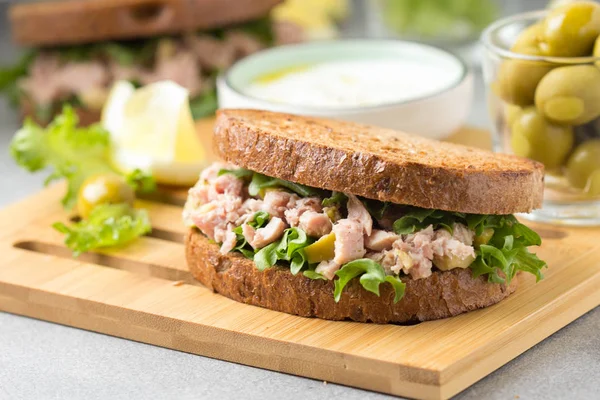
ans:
(511, 113)
(571, 30)
(583, 167)
(570, 95)
(103, 189)
(518, 79)
(533, 136)
(596, 52)
(528, 41)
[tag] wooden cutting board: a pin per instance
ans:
(143, 292)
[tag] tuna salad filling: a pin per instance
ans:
(81, 75)
(338, 236)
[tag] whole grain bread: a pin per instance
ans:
(442, 295)
(378, 163)
(75, 21)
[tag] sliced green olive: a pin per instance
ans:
(321, 250)
(484, 238)
(448, 262)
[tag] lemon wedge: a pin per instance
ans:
(152, 129)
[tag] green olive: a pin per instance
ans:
(583, 167)
(321, 250)
(484, 238)
(586, 132)
(511, 113)
(518, 79)
(103, 189)
(528, 41)
(535, 137)
(596, 52)
(570, 95)
(571, 30)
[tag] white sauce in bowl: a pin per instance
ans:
(354, 83)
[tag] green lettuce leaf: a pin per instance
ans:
(240, 173)
(266, 257)
(260, 181)
(108, 225)
(398, 285)
(506, 253)
(371, 276)
(204, 104)
(336, 198)
(312, 274)
(290, 248)
(140, 181)
(259, 219)
(376, 208)
(9, 76)
(415, 218)
(72, 152)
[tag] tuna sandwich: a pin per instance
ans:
(339, 221)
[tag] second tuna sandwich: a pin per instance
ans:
(344, 221)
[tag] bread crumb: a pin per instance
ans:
(178, 283)
(324, 383)
(517, 396)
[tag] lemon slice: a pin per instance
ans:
(152, 129)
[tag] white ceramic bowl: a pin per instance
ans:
(435, 115)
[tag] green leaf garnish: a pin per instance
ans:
(371, 276)
(108, 225)
(74, 153)
(336, 198)
(398, 285)
(266, 257)
(260, 181)
(204, 105)
(240, 173)
(141, 181)
(9, 76)
(312, 274)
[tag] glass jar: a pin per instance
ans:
(547, 109)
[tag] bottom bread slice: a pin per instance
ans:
(443, 294)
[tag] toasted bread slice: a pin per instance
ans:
(443, 294)
(378, 163)
(74, 21)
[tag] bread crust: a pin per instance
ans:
(76, 22)
(378, 163)
(442, 295)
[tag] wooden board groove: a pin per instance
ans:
(144, 292)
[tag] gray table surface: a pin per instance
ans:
(41, 360)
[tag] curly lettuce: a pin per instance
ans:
(370, 274)
(505, 252)
(75, 153)
(501, 241)
(259, 182)
(108, 225)
(71, 152)
(289, 249)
